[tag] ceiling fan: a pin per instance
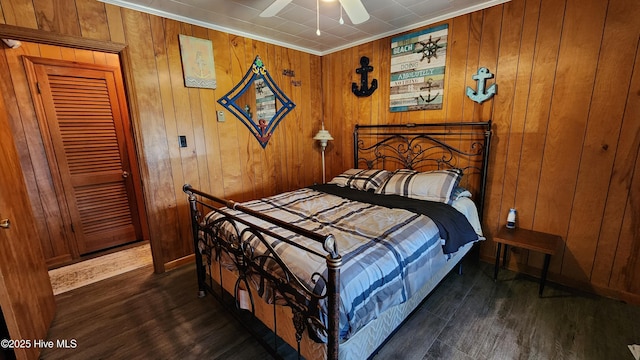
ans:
(354, 9)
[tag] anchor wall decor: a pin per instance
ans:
(428, 87)
(364, 71)
(482, 95)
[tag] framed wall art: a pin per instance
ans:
(198, 67)
(417, 69)
(258, 102)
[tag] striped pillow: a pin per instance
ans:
(431, 185)
(360, 179)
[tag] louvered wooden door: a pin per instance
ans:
(85, 115)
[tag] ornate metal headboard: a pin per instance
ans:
(428, 147)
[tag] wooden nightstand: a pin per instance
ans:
(530, 240)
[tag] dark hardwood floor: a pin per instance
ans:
(139, 315)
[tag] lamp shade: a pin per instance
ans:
(323, 136)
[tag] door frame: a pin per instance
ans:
(56, 156)
(44, 37)
(26, 297)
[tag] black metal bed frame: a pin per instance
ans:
(418, 146)
(407, 146)
(210, 240)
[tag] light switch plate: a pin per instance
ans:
(220, 115)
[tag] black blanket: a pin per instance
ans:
(453, 226)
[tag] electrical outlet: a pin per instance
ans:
(220, 115)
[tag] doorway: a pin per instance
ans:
(84, 124)
(69, 222)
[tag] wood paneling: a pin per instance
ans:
(601, 137)
(57, 16)
(621, 180)
(221, 157)
(565, 144)
(567, 120)
(92, 18)
(566, 134)
(20, 13)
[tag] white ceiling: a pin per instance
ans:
(295, 26)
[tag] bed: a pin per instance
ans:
(330, 271)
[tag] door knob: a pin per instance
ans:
(125, 174)
(4, 223)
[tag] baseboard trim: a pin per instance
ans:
(58, 261)
(591, 288)
(179, 262)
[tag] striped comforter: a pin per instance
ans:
(387, 253)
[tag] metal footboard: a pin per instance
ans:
(246, 246)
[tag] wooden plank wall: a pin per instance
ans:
(221, 157)
(566, 136)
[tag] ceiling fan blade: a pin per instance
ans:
(356, 11)
(274, 8)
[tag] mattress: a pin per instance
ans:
(389, 254)
(370, 337)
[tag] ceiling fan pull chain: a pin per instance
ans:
(318, 17)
